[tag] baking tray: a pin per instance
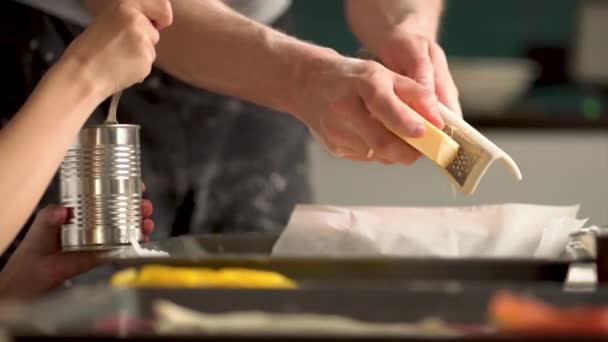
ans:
(217, 244)
(375, 271)
(76, 312)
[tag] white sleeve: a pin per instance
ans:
(70, 10)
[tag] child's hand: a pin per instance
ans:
(117, 50)
(38, 265)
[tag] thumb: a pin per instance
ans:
(43, 234)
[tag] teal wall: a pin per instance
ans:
(470, 27)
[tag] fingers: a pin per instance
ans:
(142, 33)
(51, 216)
(380, 100)
(159, 12)
(147, 208)
(42, 237)
(152, 34)
(445, 88)
(386, 147)
(147, 227)
(420, 101)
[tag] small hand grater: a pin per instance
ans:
(475, 154)
(464, 154)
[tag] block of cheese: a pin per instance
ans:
(435, 145)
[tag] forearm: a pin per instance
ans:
(213, 47)
(373, 21)
(34, 142)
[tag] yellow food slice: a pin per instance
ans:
(435, 145)
(239, 277)
(126, 277)
(193, 277)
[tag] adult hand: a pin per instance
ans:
(118, 49)
(358, 108)
(414, 55)
(38, 265)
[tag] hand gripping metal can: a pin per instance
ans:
(101, 184)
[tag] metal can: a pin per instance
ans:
(101, 183)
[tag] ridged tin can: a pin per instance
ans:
(101, 183)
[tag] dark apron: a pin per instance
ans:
(211, 164)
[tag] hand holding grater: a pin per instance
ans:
(459, 150)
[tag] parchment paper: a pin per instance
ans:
(506, 230)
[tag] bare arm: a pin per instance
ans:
(115, 52)
(403, 34)
(373, 21)
(347, 103)
(34, 142)
(214, 47)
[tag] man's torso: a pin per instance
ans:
(264, 11)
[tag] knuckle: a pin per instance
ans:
(375, 90)
(384, 144)
(372, 71)
(139, 38)
(425, 44)
(127, 11)
(417, 94)
(375, 95)
(369, 66)
(136, 21)
(155, 36)
(438, 51)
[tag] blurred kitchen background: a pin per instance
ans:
(532, 77)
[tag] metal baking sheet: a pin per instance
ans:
(263, 243)
(75, 313)
(216, 244)
(380, 270)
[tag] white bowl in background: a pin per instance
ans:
(488, 86)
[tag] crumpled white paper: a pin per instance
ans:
(506, 230)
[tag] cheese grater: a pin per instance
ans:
(459, 150)
(475, 155)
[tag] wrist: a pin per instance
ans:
(417, 23)
(312, 64)
(78, 79)
(412, 28)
